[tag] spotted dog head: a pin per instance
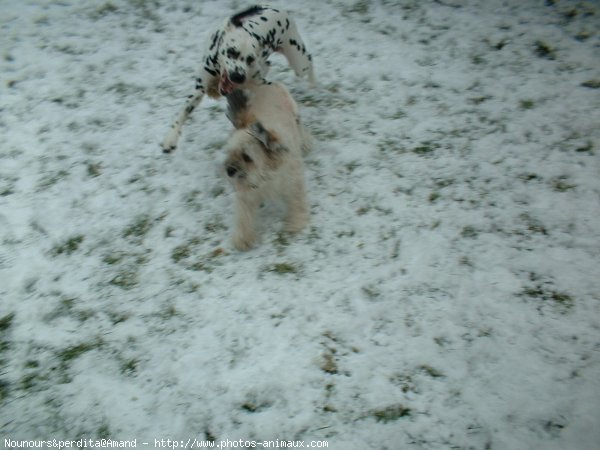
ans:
(240, 56)
(253, 154)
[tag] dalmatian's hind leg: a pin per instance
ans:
(295, 51)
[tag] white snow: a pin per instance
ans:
(445, 295)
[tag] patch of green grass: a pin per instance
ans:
(116, 317)
(561, 184)
(113, 258)
(30, 381)
(478, 59)
(432, 372)
(390, 145)
(592, 84)
(360, 7)
(341, 234)
(215, 226)
(425, 148)
(352, 166)
(51, 179)
(180, 252)
(526, 177)
(103, 431)
(6, 322)
(126, 89)
(363, 210)
(126, 278)
(130, 366)
(405, 382)
(103, 10)
(469, 232)
(68, 247)
(398, 114)
(217, 191)
(391, 413)
(546, 294)
(139, 227)
(193, 200)
(249, 407)
(283, 268)
(66, 307)
(526, 104)
(544, 50)
(433, 196)
(281, 240)
(4, 390)
(533, 225)
(588, 147)
(169, 312)
(94, 170)
(328, 364)
(183, 252)
(71, 353)
(479, 100)
(4, 346)
(371, 291)
(200, 266)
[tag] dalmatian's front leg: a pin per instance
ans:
(206, 83)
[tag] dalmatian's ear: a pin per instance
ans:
(267, 138)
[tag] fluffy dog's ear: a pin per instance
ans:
(238, 105)
(267, 139)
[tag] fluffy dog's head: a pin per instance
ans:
(253, 154)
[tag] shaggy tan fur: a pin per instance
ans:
(264, 158)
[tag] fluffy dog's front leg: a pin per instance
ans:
(297, 207)
(246, 208)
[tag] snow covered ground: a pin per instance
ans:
(445, 295)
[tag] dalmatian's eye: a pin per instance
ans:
(250, 60)
(246, 158)
(232, 53)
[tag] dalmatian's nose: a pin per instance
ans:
(237, 77)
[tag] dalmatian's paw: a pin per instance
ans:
(169, 144)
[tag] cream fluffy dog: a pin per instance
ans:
(264, 158)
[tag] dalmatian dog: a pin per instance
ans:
(237, 58)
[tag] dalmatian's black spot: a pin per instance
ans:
(242, 53)
(232, 53)
(252, 11)
(216, 38)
